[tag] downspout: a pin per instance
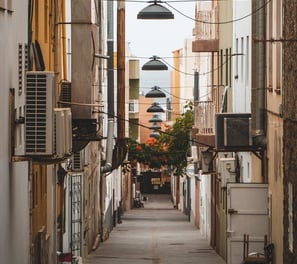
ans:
(259, 74)
(259, 83)
(107, 167)
(110, 86)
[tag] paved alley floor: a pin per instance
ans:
(155, 234)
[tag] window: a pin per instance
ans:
(221, 66)
(247, 60)
(20, 68)
(242, 59)
(290, 216)
(230, 67)
(228, 58)
(236, 61)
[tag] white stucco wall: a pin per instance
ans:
(14, 197)
(242, 56)
(242, 36)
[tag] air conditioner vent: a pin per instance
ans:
(77, 163)
(39, 113)
(65, 95)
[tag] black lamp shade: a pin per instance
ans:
(155, 11)
(155, 108)
(155, 92)
(154, 65)
(155, 127)
(155, 119)
(155, 134)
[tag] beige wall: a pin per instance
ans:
(275, 128)
(144, 104)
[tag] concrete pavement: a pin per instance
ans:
(155, 234)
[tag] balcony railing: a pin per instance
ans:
(205, 117)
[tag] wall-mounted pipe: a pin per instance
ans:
(110, 85)
(259, 73)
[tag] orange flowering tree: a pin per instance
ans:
(171, 148)
(150, 153)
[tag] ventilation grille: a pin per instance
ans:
(65, 95)
(77, 161)
(39, 113)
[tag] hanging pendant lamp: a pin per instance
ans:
(155, 119)
(155, 134)
(155, 108)
(155, 126)
(155, 92)
(154, 64)
(155, 11)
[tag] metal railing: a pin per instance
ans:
(205, 117)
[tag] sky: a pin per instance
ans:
(158, 37)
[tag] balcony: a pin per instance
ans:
(204, 123)
(206, 35)
(211, 45)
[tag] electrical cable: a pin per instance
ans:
(130, 121)
(201, 21)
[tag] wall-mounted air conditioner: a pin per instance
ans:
(59, 132)
(63, 131)
(226, 170)
(39, 138)
(233, 132)
(68, 130)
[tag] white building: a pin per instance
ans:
(15, 173)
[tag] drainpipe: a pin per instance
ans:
(259, 74)
(107, 167)
(110, 85)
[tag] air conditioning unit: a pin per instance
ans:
(39, 138)
(233, 132)
(59, 132)
(68, 130)
(226, 171)
(63, 131)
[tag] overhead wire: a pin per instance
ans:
(201, 21)
(129, 120)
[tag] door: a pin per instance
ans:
(247, 213)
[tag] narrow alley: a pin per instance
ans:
(156, 234)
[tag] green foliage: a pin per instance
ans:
(170, 149)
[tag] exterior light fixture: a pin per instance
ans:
(155, 126)
(155, 108)
(154, 64)
(155, 119)
(155, 92)
(155, 11)
(155, 134)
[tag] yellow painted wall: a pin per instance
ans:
(175, 86)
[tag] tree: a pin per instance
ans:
(178, 140)
(170, 149)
